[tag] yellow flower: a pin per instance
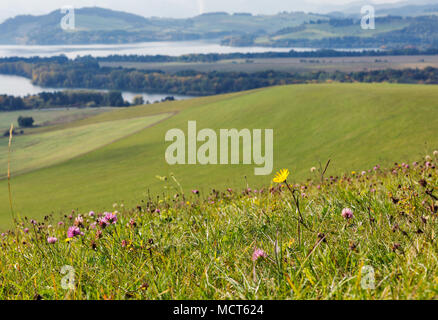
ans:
(67, 239)
(353, 173)
(281, 176)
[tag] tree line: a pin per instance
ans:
(215, 57)
(62, 99)
(88, 74)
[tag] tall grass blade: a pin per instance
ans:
(11, 131)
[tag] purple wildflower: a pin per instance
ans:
(73, 232)
(110, 217)
(79, 220)
(103, 223)
(52, 240)
(26, 230)
(347, 213)
(258, 253)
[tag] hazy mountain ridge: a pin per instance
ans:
(103, 26)
(397, 8)
(97, 25)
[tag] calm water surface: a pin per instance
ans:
(19, 86)
(174, 48)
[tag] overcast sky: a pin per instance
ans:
(172, 8)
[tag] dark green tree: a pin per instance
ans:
(25, 122)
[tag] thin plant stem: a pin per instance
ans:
(11, 131)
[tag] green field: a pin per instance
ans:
(345, 64)
(321, 31)
(48, 116)
(355, 125)
(35, 151)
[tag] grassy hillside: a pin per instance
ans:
(35, 151)
(355, 125)
(368, 235)
(50, 116)
(98, 25)
(344, 64)
(390, 32)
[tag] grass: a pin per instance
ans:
(321, 31)
(202, 246)
(49, 116)
(37, 151)
(355, 125)
(325, 30)
(346, 64)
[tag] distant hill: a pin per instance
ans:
(411, 10)
(401, 8)
(97, 25)
(397, 27)
(392, 32)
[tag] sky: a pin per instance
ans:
(173, 8)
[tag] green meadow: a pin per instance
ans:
(35, 151)
(115, 157)
(49, 116)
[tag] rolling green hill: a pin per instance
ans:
(47, 117)
(389, 32)
(97, 25)
(36, 151)
(286, 29)
(355, 125)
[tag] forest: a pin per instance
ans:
(62, 99)
(87, 73)
(215, 57)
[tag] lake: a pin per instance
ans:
(170, 48)
(20, 86)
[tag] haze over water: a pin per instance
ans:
(20, 86)
(175, 48)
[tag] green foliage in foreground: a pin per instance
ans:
(201, 246)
